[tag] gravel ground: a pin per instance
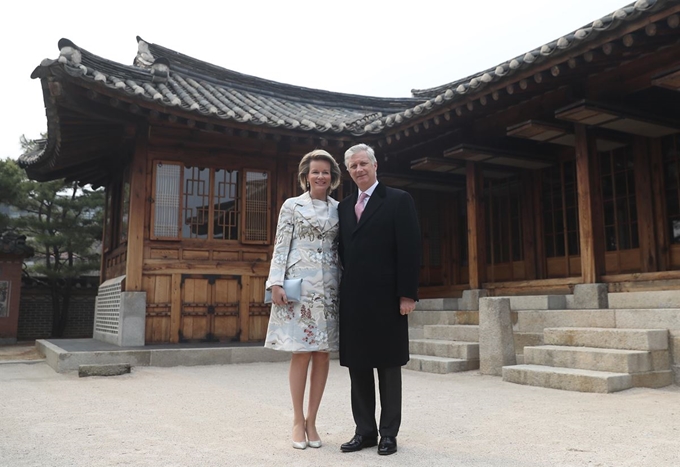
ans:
(240, 415)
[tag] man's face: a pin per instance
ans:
(362, 170)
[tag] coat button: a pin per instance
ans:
(318, 250)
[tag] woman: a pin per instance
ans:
(307, 247)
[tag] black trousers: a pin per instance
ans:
(363, 400)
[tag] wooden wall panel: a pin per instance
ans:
(158, 307)
(258, 312)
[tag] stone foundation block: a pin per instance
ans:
(591, 296)
(104, 370)
(470, 300)
(496, 343)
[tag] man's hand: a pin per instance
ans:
(406, 305)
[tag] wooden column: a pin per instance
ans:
(541, 263)
(244, 308)
(659, 201)
(591, 228)
(528, 225)
(476, 230)
(645, 208)
(135, 240)
(175, 307)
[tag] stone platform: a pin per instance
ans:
(65, 355)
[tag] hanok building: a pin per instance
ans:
(557, 168)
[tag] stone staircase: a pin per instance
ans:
(590, 359)
(442, 338)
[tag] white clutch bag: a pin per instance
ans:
(292, 287)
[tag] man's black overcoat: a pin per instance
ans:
(381, 262)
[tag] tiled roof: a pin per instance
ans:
(180, 83)
(171, 79)
(462, 88)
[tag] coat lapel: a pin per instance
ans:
(306, 209)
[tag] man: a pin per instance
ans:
(380, 253)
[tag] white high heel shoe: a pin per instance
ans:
(314, 444)
(300, 444)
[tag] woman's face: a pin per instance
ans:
(319, 178)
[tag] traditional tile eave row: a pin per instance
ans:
(211, 99)
(460, 89)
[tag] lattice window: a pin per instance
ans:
(503, 222)
(226, 200)
(206, 203)
(560, 210)
(671, 164)
(196, 203)
(256, 224)
(166, 200)
(617, 184)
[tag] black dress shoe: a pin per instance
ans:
(387, 446)
(359, 442)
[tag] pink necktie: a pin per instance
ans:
(359, 207)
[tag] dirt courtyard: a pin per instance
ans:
(240, 415)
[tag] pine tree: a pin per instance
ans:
(63, 223)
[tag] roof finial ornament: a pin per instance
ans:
(160, 70)
(144, 58)
(68, 52)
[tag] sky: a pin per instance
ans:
(378, 48)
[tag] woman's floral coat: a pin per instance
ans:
(305, 249)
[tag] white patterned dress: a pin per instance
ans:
(306, 247)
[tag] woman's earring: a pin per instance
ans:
(307, 186)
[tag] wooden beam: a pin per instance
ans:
(135, 249)
(476, 228)
(591, 229)
(645, 209)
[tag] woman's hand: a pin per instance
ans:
(279, 296)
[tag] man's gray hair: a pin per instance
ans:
(357, 148)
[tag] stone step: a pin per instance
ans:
(416, 332)
(591, 358)
(458, 332)
(421, 317)
(445, 348)
(645, 299)
(537, 321)
(537, 302)
(569, 379)
(442, 365)
(607, 338)
(437, 304)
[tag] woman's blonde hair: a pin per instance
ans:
(319, 155)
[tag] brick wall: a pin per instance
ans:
(35, 313)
